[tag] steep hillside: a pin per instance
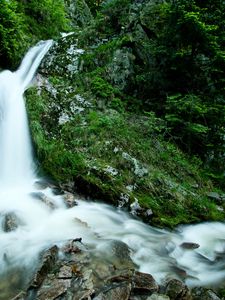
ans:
(97, 122)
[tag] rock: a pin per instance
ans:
(55, 289)
(40, 185)
(177, 290)
(119, 254)
(121, 67)
(214, 196)
(69, 199)
(189, 246)
(47, 262)
(144, 283)
(10, 222)
(72, 246)
(158, 297)
(65, 272)
(78, 12)
(200, 293)
(120, 292)
(43, 198)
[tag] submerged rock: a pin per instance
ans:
(43, 198)
(69, 199)
(11, 222)
(189, 245)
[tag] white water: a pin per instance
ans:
(155, 251)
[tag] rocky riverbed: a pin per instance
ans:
(73, 272)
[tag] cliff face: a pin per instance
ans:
(91, 130)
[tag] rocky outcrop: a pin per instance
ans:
(75, 272)
(78, 12)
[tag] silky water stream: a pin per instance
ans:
(154, 251)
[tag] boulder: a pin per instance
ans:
(10, 222)
(78, 12)
(189, 246)
(177, 290)
(144, 283)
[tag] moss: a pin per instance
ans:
(108, 153)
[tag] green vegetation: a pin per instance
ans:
(116, 156)
(23, 23)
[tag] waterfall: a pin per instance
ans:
(17, 167)
(38, 226)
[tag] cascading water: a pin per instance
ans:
(15, 147)
(155, 251)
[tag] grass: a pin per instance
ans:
(105, 151)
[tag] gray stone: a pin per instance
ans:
(176, 289)
(121, 292)
(10, 222)
(40, 185)
(158, 297)
(200, 293)
(189, 246)
(56, 288)
(47, 262)
(144, 283)
(65, 272)
(214, 196)
(43, 198)
(79, 13)
(69, 199)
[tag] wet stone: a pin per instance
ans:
(69, 200)
(40, 185)
(176, 289)
(144, 283)
(57, 288)
(189, 246)
(10, 222)
(115, 293)
(43, 198)
(200, 293)
(65, 272)
(47, 262)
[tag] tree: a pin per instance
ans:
(12, 36)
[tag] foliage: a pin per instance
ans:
(105, 152)
(12, 37)
(46, 18)
(93, 5)
(25, 22)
